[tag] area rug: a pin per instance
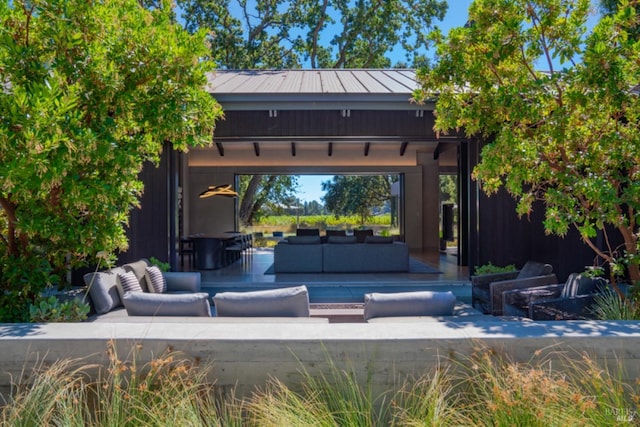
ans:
(415, 267)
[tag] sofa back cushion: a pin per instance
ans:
(308, 232)
(419, 303)
(103, 289)
(285, 302)
(303, 240)
(533, 269)
(148, 304)
(378, 239)
(342, 240)
(362, 234)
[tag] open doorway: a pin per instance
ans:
(448, 213)
(274, 206)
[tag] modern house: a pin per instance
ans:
(339, 122)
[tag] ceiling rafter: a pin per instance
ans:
(403, 147)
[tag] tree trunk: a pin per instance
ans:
(631, 249)
(246, 207)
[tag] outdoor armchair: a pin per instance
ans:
(487, 289)
(566, 301)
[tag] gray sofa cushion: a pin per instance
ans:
(421, 303)
(289, 258)
(533, 269)
(341, 240)
(103, 289)
(304, 240)
(378, 239)
(147, 304)
(286, 302)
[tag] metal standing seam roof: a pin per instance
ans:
(309, 82)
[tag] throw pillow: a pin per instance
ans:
(578, 284)
(362, 234)
(155, 280)
(138, 268)
(127, 282)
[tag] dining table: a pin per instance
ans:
(210, 250)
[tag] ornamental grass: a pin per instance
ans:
(482, 389)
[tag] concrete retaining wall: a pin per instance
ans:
(246, 354)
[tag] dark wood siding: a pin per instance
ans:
(325, 123)
(148, 231)
(504, 238)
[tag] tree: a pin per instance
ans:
(258, 191)
(568, 137)
(611, 7)
(313, 208)
(89, 92)
(324, 34)
(356, 194)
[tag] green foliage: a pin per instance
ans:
(324, 221)
(448, 189)
(489, 268)
(356, 194)
(163, 266)
(567, 137)
(91, 92)
(610, 306)
(329, 34)
(260, 194)
(51, 309)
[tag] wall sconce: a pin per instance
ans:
(218, 190)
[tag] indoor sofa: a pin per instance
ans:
(341, 254)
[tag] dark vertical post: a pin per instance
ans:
(173, 172)
(469, 209)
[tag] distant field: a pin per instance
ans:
(289, 223)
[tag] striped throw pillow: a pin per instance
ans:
(128, 282)
(156, 280)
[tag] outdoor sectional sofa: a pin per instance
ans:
(180, 299)
(341, 254)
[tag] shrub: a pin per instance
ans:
(491, 269)
(51, 309)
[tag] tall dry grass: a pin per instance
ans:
(482, 389)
